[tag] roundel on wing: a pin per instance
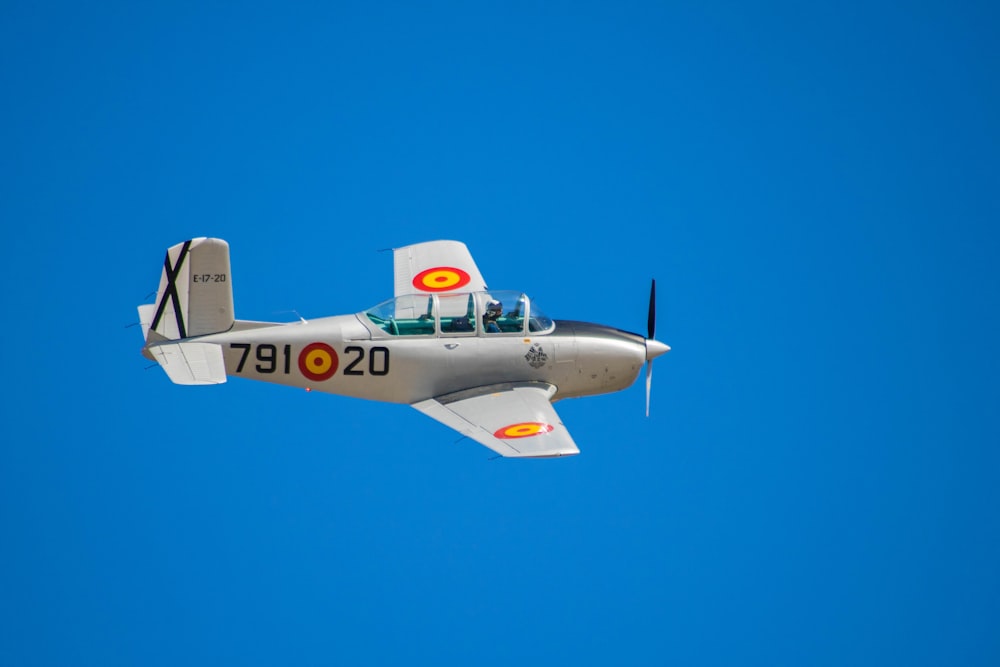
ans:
(318, 361)
(441, 279)
(522, 430)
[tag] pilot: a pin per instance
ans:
(493, 311)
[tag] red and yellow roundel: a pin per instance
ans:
(522, 430)
(441, 279)
(318, 361)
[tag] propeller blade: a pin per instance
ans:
(651, 322)
(654, 348)
(649, 383)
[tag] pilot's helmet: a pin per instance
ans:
(494, 308)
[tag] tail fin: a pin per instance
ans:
(195, 295)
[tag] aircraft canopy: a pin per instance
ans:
(461, 314)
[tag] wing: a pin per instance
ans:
(512, 419)
(436, 266)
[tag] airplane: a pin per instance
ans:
(486, 363)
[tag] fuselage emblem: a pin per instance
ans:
(536, 356)
(318, 361)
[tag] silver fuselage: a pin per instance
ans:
(578, 358)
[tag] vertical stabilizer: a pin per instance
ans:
(196, 292)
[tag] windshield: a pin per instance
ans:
(539, 321)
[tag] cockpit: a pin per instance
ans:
(463, 314)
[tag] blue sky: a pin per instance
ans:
(814, 187)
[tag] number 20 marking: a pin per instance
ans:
(375, 367)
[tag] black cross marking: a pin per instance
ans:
(171, 291)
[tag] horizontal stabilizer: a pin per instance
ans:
(191, 363)
(146, 313)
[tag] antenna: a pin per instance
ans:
(295, 312)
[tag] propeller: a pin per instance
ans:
(654, 348)
(651, 322)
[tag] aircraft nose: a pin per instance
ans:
(655, 348)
